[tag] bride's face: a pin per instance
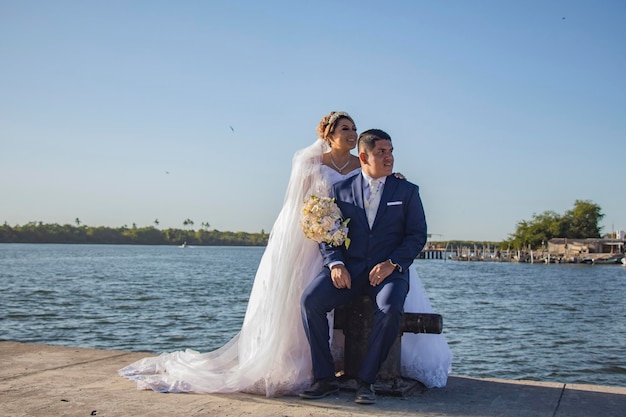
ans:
(344, 136)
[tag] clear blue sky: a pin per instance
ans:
(120, 112)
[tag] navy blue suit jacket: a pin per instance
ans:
(399, 231)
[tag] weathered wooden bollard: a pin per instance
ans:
(356, 320)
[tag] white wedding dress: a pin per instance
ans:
(270, 355)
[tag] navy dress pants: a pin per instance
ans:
(321, 296)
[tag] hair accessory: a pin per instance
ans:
(336, 115)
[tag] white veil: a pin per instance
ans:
(270, 355)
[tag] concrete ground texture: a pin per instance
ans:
(43, 380)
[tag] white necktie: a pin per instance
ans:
(373, 201)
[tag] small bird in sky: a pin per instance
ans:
(231, 128)
(167, 172)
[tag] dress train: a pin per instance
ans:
(424, 357)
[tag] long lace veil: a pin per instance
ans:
(270, 355)
(272, 332)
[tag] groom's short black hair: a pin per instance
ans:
(367, 140)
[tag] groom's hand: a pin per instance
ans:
(340, 276)
(380, 272)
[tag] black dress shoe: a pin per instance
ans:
(365, 394)
(320, 389)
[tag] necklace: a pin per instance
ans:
(339, 169)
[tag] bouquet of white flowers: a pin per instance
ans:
(322, 221)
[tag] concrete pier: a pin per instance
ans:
(41, 380)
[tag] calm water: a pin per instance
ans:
(562, 323)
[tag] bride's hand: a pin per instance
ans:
(399, 176)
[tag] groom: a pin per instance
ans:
(387, 230)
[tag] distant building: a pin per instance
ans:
(577, 247)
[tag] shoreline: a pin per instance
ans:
(43, 380)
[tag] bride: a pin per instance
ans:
(270, 355)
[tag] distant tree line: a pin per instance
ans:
(581, 222)
(39, 232)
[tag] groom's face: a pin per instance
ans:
(378, 162)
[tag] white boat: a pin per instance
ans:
(184, 245)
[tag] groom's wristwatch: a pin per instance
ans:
(395, 266)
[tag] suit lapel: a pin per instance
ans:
(357, 192)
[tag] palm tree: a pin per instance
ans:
(206, 225)
(156, 222)
(188, 222)
(77, 221)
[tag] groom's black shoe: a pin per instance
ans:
(365, 394)
(320, 389)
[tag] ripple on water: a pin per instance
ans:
(513, 321)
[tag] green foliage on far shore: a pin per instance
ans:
(38, 232)
(581, 222)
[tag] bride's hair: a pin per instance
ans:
(328, 123)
